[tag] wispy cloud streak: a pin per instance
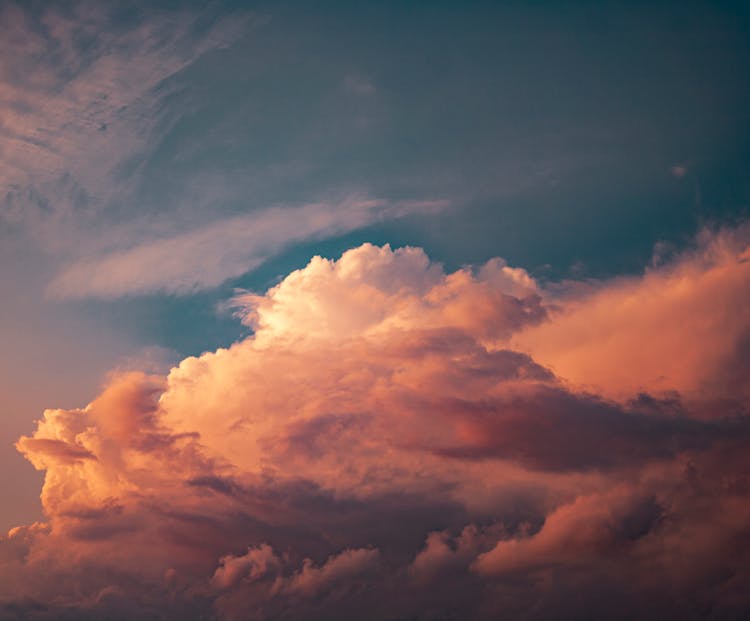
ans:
(206, 257)
(80, 97)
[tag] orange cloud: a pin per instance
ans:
(678, 327)
(393, 438)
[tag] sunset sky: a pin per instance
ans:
(375, 311)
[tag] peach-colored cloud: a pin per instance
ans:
(378, 444)
(677, 327)
(374, 291)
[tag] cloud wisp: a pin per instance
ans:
(383, 443)
(204, 258)
(80, 95)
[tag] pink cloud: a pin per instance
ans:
(382, 443)
(589, 527)
(311, 580)
(677, 327)
(256, 564)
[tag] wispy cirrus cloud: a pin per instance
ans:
(81, 93)
(87, 96)
(206, 257)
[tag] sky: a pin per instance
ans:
(374, 310)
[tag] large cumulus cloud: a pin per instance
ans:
(397, 442)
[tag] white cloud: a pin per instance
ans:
(206, 257)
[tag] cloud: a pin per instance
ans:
(92, 102)
(46, 450)
(81, 93)
(257, 563)
(678, 170)
(676, 327)
(359, 86)
(590, 526)
(372, 291)
(266, 592)
(380, 443)
(443, 553)
(206, 257)
(312, 580)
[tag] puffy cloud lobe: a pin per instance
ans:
(373, 291)
(257, 563)
(443, 553)
(266, 592)
(573, 533)
(678, 327)
(337, 569)
(46, 451)
(380, 444)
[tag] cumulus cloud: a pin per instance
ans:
(382, 442)
(676, 327)
(590, 526)
(311, 580)
(371, 291)
(257, 563)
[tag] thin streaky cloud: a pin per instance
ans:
(73, 114)
(210, 255)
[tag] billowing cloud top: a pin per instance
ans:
(414, 444)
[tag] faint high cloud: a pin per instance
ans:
(359, 85)
(81, 93)
(381, 443)
(206, 257)
(679, 170)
